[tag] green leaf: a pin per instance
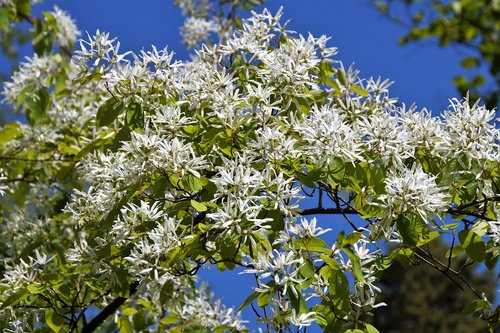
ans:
(166, 292)
(469, 62)
(108, 112)
(54, 321)
(172, 319)
(36, 288)
(326, 71)
(403, 255)
(249, 300)
(356, 264)
(42, 42)
(491, 259)
(191, 129)
(263, 299)
(37, 107)
(139, 322)
(455, 251)
(449, 226)
(360, 91)
(129, 311)
(122, 286)
(297, 301)
(309, 243)
(343, 241)
(478, 80)
(9, 132)
(86, 77)
(126, 325)
(460, 81)
(354, 330)
(307, 269)
(473, 245)
(414, 230)
(339, 291)
(371, 328)
(476, 305)
(4, 19)
(342, 77)
(336, 172)
(320, 319)
(193, 183)
(15, 298)
(135, 116)
(23, 8)
(198, 206)
(481, 228)
(123, 135)
(332, 263)
(382, 262)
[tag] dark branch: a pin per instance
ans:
(108, 310)
(320, 210)
(456, 211)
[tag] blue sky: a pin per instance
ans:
(422, 72)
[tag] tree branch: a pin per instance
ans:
(321, 210)
(455, 211)
(108, 310)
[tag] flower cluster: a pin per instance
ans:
(66, 32)
(414, 190)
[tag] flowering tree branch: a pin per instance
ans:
(176, 165)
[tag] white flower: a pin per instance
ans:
(423, 131)
(281, 266)
(305, 319)
(194, 7)
(494, 231)
(196, 30)
(203, 310)
(273, 145)
(471, 131)
(66, 32)
(414, 190)
(386, 137)
(33, 73)
(307, 229)
(101, 49)
(327, 135)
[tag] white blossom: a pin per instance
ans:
(494, 231)
(471, 131)
(66, 32)
(196, 30)
(414, 189)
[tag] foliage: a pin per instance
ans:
(473, 25)
(133, 171)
